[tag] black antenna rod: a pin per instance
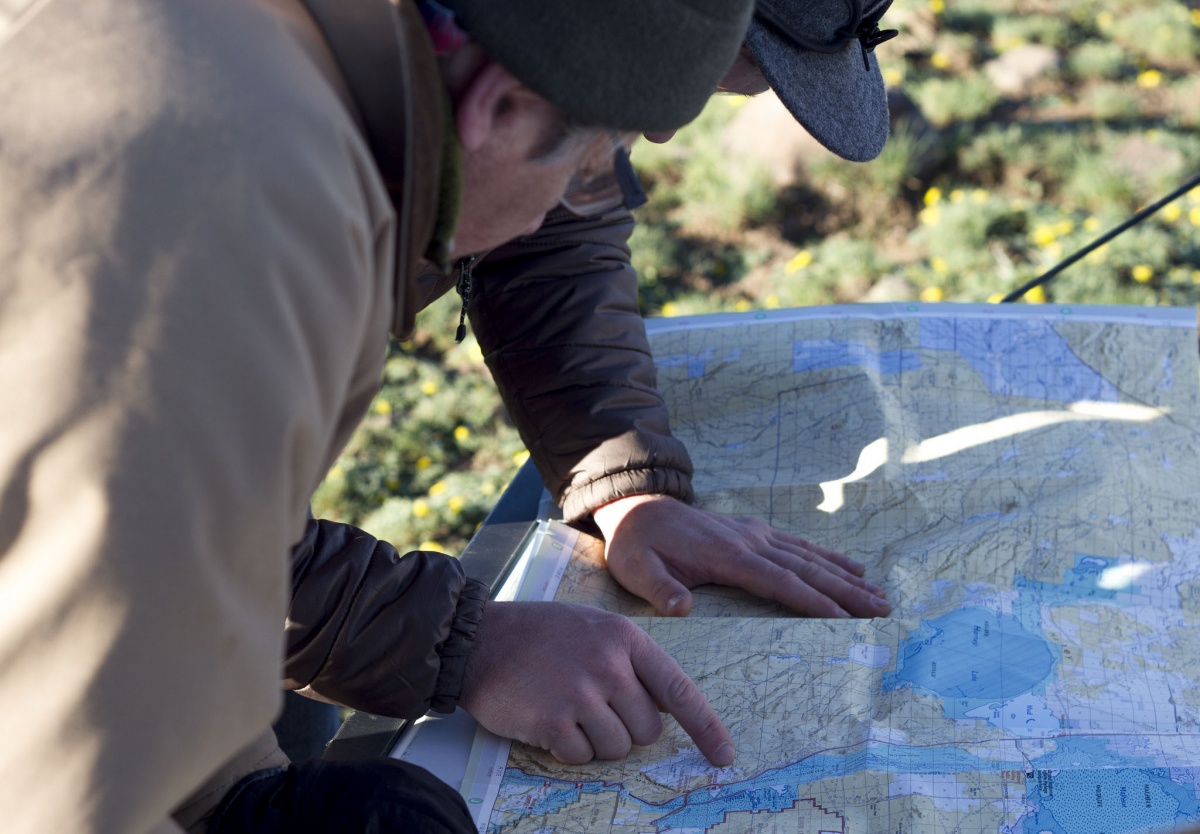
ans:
(1100, 241)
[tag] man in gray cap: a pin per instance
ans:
(211, 216)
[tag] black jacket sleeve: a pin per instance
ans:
(557, 318)
(374, 630)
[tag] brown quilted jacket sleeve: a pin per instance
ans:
(374, 630)
(556, 316)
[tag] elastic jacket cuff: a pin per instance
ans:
(471, 601)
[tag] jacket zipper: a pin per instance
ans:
(464, 289)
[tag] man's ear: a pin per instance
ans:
(487, 105)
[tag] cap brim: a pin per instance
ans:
(842, 105)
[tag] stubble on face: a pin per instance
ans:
(511, 182)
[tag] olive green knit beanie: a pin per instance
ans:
(638, 65)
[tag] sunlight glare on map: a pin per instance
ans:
(1120, 577)
(958, 440)
(873, 456)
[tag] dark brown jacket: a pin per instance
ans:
(557, 319)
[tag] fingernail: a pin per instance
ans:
(724, 755)
(880, 602)
(673, 604)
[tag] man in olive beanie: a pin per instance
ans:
(212, 214)
(647, 84)
(556, 315)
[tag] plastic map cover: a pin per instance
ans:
(1024, 482)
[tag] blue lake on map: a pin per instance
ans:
(1109, 799)
(1081, 582)
(971, 657)
(1019, 357)
(822, 354)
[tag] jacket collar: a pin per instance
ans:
(388, 63)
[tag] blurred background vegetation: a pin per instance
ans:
(1022, 129)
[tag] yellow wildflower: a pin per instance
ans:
(462, 434)
(1037, 295)
(979, 196)
(420, 508)
(424, 462)
(1092, 224)
(939, 266)
(995, 298)
(933, 196)
(436, 547)
(455, 504)
(771, 302)
(930, 216)
(1196, 276)
(1063, 227)
(939, 60)
(488, 488)
(1043, 235)
(474, 351)
(957, 195)
(1194, 216)
(383, 407)
(336, 473)
(800, 260)
(670, 309)
(1172, 212)
(1104, 20)
(438, 488)
(1142, 273)
(429, 388)
(932, 294)
(741, 305)
(893, 77)
(1194, 16)
(520, 457)
(1149, 79)
(937, 6)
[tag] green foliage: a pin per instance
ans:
(699, 183)
(1113, 102)
(1048, 29)
(948, 100)
(1158, 32)
(434, 450)
(1099, 61)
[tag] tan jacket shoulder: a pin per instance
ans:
(199, 280)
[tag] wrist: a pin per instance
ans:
(609, 516)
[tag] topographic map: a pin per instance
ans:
(1025, 482)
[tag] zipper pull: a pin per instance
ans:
(464, 289)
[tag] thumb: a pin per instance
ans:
(644, 573)
(670, 597)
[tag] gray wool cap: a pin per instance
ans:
(637, 65)
(818, 57)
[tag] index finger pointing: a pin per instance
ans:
(678, 694)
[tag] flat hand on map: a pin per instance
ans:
(658, 548)
(582, 683)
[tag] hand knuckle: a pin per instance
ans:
(680, 691)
